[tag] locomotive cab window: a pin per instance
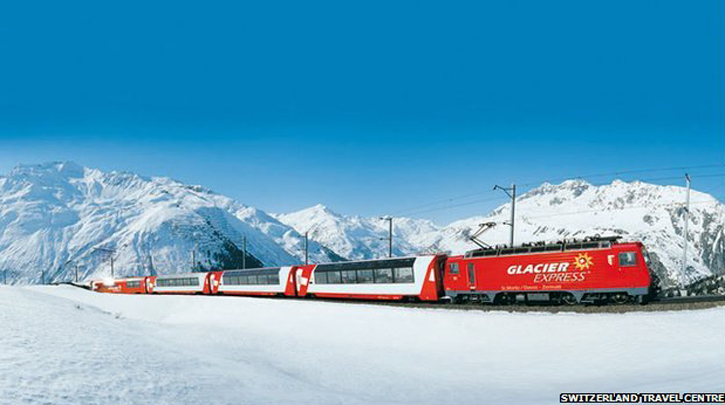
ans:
(453, 268)
(627, 259)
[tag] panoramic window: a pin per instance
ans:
(403, 275)
(349, 277)
(383, 276)
(453, 269)
(321, 278)
(333, 277)
(365, 276)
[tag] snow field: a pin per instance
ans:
(67, 345)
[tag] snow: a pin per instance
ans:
(65, 345)
(359, 238)
(53, 215)
(637, 211)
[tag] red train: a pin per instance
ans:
(594, 270)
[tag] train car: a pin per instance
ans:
(188, 283)
(270, 281)
(132, 285)
(590, 270)
(407, 278)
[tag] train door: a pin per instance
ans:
(298, 282)
(471, 276)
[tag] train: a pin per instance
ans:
(593, 270)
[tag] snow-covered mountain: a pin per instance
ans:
(572, 209)
(356, 237)
(55, 216)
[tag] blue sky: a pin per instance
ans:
(367, 107)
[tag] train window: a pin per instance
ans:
(383, 276)
(349, 277)
(453, 268)
(274, 278)
(133, 284)
(553, 248)
(627, 259)
(321, 278)
(521, 250)
(403, 275)
(506, 251)
(537, 249)
(590, 245)
(365, 276)
(333, 277)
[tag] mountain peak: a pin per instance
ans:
(61, 168)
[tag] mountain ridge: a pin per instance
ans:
(56, 215)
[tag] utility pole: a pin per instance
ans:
(5, 276)
(306, 246)
(244, 251)
(76, 266)
(511, 192)
(390, 234)
(42, 277)
(193, 258)
(110, 255)
(687, 220)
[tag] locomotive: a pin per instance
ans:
(593, 270)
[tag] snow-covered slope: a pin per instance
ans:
(355, 237)
(53, 216)
(64, 345)
(650, 213)
(572, 209)
(54, 213)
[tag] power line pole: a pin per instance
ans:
(110, 255)
(390, 234)
(687, 220)
(76, 266)
(511, 192)
(306, 246)
(244, 251)
(193, 258)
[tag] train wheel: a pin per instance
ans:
(620, 298)
(568, 299)
(502, 299)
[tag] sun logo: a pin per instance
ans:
(583, 261)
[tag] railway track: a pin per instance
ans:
(661, 304)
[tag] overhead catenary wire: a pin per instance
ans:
(447, 207)
(417, 209)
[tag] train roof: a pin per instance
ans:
(593, 242)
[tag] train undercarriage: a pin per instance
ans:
(629, 296)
